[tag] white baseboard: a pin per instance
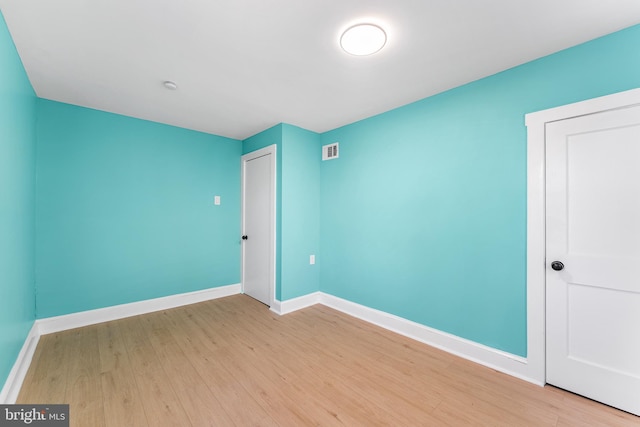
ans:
(499, 360)
(295, 304)
(12, 385)
(507, 363)
(91, 317)
(276, 307)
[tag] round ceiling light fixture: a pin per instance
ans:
(363, 39)
(170, 85)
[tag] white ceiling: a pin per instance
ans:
(244, 65)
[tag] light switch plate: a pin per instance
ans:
(216, 200)
(312, 259)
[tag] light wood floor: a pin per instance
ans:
(233, 362)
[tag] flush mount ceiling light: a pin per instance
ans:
(170, 85)
(363, 39)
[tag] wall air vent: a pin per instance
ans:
(330, 152)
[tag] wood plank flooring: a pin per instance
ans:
(232, 362)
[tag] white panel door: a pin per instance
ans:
(593, 229)
(258, 175)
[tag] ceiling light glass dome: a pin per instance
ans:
(363, 39)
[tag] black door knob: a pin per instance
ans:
(557, 265)
(244, 237)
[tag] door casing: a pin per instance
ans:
(536, 214)
(272, 151)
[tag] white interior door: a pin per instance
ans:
(593, 229)
(258, 224)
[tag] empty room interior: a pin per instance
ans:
(240, 213)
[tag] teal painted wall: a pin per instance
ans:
(301, 158)
(125, 210)
(17, 181)
(267, 137)
(424, 213)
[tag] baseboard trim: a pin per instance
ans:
(13, 384)
(507, 363)
(498, 360)
(276, 307)
(295, 304)
(100, 315)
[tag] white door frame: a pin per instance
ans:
(536, 213)
(269, 150)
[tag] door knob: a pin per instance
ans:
(557, 265)
(244, 237)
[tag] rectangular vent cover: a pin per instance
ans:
(330, 152)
